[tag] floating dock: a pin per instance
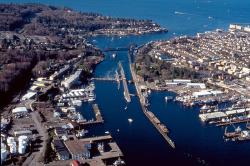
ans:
(125, 85)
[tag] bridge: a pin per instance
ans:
(115, 49)
(128, 48)
(104, 79)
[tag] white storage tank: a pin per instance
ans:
(10, 140)
(13, 147)
(23, 142)
(21, 149)
(4, 152)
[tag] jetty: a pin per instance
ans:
(125, 85)
(97, 113)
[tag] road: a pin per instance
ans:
(32, 160)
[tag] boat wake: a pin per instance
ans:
(182, 13)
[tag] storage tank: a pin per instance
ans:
(13, 147)
(23, 138)
(10, 140)
(23, 142)
(21, 149)
(4, 152)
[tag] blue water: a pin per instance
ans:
(197, 144)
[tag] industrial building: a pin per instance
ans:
(71, 80)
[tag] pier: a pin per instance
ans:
(125, 85)
(97, 113)
(98, 117)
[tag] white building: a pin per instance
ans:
(20, 110)
(68, 82)
(28, 95)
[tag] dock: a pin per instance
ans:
(97, 138)
(237, 121)
(162, 129)
(97, 113)
(98, 116)
(125, 85)
(117, 77)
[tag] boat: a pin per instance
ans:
(119, 162)
(91, 99)
(168, 98)
(244, 136)
(126, 108)
(77, 103)
(107, 132)
(130, 120)
(81, 133)
(113, 55)
(235, 133)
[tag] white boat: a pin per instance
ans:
(130, 120)
(126, 108)
(77, 103)
(168, 98)
(113, 55)
(106, 132)
(91, 99)
(119, 162)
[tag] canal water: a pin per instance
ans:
(196, 143)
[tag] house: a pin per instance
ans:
(60, 149)
(79, 149)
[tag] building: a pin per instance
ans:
(79, 149)
(181, 81)
(59, 131)
(28, 95)
(60, 149)
(22, 132)
(196, 85)
(20, 110)
(71, 80)
(59, 73)
(207, 93)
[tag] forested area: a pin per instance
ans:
(152, 69)
(32, 36)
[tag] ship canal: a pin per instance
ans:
(140, 142)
